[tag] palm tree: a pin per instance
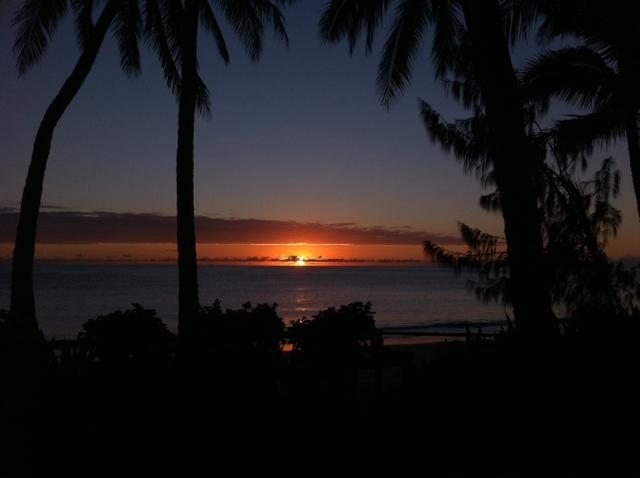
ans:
(179, 57)
(484, 28)
(36, 21)
(601, 76)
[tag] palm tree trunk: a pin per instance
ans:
(627, 68)
(516, 164)
(633, 144)
(22, 296)
(188, 302)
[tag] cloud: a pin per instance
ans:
(75, 227)
(15, 207)
(54, 207)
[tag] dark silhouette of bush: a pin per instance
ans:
(5, 326)
(242, 347)
(248, 330)
(596, 323)
(7, 338)
(333, 342)
(22, 350)
(133, 337)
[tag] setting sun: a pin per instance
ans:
(301, 261)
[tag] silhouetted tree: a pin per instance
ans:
(602, 76)
(484, 29)
(134, 337)
(179, 57)
(252, 331)
(36, 22)
(331, 343)
(578, 217)
(578, 221)
(24, 355)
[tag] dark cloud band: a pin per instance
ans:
(73, 227)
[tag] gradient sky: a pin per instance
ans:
(298, 137)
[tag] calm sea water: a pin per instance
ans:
(69, 294)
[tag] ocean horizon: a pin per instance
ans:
(403, 295)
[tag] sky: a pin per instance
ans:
(299, 143)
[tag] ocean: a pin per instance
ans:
(68, 294)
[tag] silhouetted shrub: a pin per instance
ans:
(245, 333)
(4, 323)
(334, 339)
(136, 336)
(597, 322)
(6, 336)
(22, 347)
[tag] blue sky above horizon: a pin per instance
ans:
(300, 136)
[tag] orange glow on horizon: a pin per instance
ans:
(293, 254)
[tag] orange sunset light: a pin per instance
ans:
(292, 254)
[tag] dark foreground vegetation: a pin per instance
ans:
(128, 399)
(548, 398)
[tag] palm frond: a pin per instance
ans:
(36, 21)
(490, 202)
(578, 76)
(401, 49)
(467, 139)
(457, 60)
(172, 19)
(451, 51)
(520, 16)
(448, 37)
(479, 242)
(348, 18)
(127, 30)
(156, 37)
(464, 91)
(84, 20)
(248, 19)
(485, 254)
(210, 23)
(560, 19)
(244, 21)
(270, 14)
(203, 102)
(581, 134)
(445, 257)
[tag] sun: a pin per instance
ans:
(301, 261)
